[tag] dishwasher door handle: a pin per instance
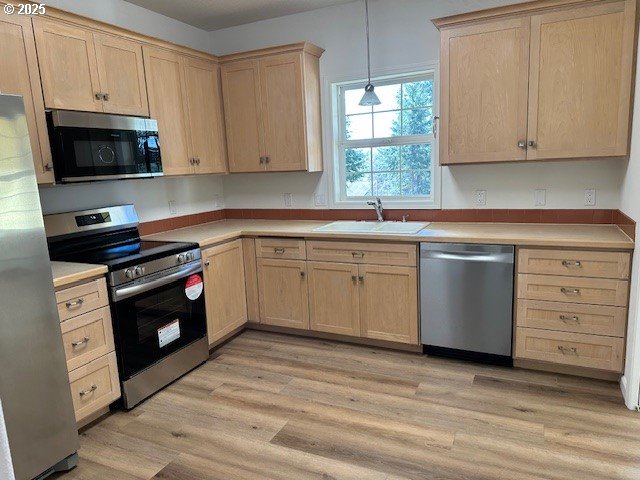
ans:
(469, 257)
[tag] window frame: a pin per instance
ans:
(339, 197)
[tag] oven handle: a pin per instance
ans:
(126, 292)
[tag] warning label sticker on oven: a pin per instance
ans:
(169, 333)
(194, 287)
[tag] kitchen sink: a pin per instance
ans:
(406, 228)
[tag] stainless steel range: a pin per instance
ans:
(156, 294)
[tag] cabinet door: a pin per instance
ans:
(389, 303)
(283, 293)
(484, 74)
(165, 85)
(121, 74)
(283, 111)
(242, 115)
(333, 298)
(225, 293)
(204, 108)
(68, 67)
(580, 81)
(19, 76)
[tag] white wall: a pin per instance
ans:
(402, 39)
(150, 196)
(6, 465)
(630, 205)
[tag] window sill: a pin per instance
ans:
(412, 204)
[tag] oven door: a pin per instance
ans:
(103, 147)
(155, 318)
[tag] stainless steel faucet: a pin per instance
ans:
(379, 210)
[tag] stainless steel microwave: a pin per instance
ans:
(88, 147)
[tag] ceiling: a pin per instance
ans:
(216, 14)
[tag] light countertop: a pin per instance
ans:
(554, 235)
(66, 273)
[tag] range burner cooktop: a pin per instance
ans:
(107, 236)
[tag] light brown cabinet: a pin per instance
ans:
(183, 99)
(283, 291)
(389, 303)
(544, 84)
(272, 109)
(571, 309)
(93, 72)
(225, 293)
(19, 75)
(334, 304)
(207, 147)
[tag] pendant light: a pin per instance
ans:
(369, 98)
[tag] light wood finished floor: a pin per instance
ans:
(283, 407)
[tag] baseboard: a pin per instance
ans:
(333, 336)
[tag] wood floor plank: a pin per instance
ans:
(273, 406)
(376, 426)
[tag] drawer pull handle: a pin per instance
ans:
(569, 350)
(572, 263)
(302, 274)
(570, 291)
(567, 318)
(278, 250)
(75, 304)
(361, 278)
(357, 254)
(91, 389)
(354, 278)
(84, 341)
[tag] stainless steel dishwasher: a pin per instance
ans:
(466, 294)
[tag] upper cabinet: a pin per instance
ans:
(536, 81)
(95, 72)
(184, 99)
(19, 76)
(272, 109)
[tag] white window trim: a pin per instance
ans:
(336, 170)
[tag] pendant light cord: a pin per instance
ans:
(366, 10)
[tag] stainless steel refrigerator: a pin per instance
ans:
(35, 397)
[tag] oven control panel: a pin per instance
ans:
(136, 272)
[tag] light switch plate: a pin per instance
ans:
(173, 208)
(480, 198)
(288, 200)
(540, 197)
(590, 197)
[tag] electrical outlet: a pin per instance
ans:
(288, 200)
(320, 200)
(590, 197)
(540, 197)
(481, 198)
(173, 208)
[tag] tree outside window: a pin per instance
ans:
(387, 150)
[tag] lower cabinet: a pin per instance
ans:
(389, 303)
(334, 305)
(370, 301)
(284, 299)
(225, 294)
(87, 336)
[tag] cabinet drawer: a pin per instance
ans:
(81, 299)
(580, 350)
(287, 248)
(94, 386)
(574, 263)
(595, 291)
(572, 317)
(87, 337)
(357, 252)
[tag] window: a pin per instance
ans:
(387, 150)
